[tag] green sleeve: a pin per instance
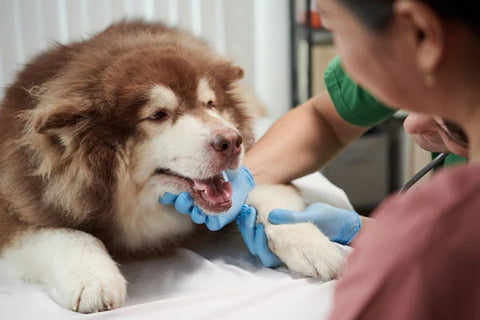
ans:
(353, 103)
(453, 160)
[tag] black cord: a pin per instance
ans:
(310, 48)
(432, 165)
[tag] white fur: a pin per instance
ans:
(163, 97)
(302, 247)
(142, 222)
(180, 147)
(224, 122)
(76, 267)
(204, 92)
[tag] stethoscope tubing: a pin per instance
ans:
(437, 161)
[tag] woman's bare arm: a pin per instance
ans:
(301, 142)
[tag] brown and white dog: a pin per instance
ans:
(92, 133)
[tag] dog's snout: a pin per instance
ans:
(227, 142)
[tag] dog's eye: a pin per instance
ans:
(157, 116)
(210, 104)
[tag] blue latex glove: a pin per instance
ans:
(337, 224)
(242, 183)
(255, 238)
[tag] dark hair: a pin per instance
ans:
(376, 14)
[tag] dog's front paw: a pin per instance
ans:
(305, 250)
(98, 292)
(94, 284)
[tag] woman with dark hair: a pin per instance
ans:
(420, 259)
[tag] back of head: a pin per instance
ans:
(375, 14)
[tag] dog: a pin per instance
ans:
(94, 132)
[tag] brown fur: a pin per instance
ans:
(72, 115)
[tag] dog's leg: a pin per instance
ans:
(74, 265)
(302, 247)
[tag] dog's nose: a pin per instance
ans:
(227, 142)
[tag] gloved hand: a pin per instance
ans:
(242, 183)
(337, 224)
(255, 238)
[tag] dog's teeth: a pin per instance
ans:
(224, 176)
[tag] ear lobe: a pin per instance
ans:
(62, 117)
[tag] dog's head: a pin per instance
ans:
(164, 115)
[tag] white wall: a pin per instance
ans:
(255, 33)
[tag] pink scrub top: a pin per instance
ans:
(421, 257)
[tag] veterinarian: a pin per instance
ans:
(420, 258)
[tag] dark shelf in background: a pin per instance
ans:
(319, 36)
(301, 32)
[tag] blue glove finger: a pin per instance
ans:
(226, 218)
(213, 222)
(282, 216)
(217, 222)
(246, 223)
(351, 226)
(268, 258)
(168, 198)
(198, 216)
(184, 203)
(243, 170)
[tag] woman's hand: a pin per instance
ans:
(255, 238)
(337, 224)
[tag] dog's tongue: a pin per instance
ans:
(215, 190)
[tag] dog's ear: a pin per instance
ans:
(236, 73)
(229, 73)
(58, 118)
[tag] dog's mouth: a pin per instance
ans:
(213, 194)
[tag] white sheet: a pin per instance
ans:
(215, 278)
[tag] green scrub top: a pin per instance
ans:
(357, 106)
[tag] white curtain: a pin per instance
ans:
(255, 33)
